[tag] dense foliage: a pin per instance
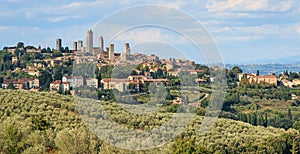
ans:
(39, 122)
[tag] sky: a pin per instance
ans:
(243, 30)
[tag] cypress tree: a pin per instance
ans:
(266, 120)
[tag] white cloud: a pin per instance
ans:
(175, 4)
(210, 22)
(30, 14)
(221, 15)
(296, 28)
(151, 34)
(222, 29)
(253, 5)
(61, 18)
(259, 30)
(293, 29)
(82, 4)
(283, 6)
(279, 30)
(244, 38)
(14, 1)
(142, 36)
(3, 27)
(7, 11)
(234, 5)
(249, 33)
(57, 19)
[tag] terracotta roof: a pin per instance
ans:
(266, 76)
(8, 81)
(134, 81)
(199, 71)
(113, 80)
(56, 82)
(25, 80)
(68, 77)
(156, 80)
(65, 83)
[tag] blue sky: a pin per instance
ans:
(243, 30)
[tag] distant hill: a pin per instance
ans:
(266, 68)
(289, 60)
(281, 60)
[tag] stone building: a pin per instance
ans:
(58, 44)
(89, 41)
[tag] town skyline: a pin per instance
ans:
(244, 31)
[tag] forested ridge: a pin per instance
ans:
(42, 122)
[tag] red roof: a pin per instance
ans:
(24, 80)
(68, 77)
(113, 80)
(8, 81)
(156, 80)
(199, 71)
(56, 82)
(134, 81)
(65, 83)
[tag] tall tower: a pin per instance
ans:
(127, 48)
(80, 44)
(58, 44)
(89, 41)
(101, 43)
(125, 54)
(75, 46)
(111, 53)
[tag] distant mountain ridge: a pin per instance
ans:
(281, 60)
(266, 68)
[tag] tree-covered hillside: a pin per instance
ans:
(38, 122)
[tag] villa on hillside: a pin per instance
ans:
(75, 81)
(253, 78)
(112, 83)
(55, 86)
(270, 79)
(59, 85)
(24, 83)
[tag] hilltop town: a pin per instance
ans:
(45, 69)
